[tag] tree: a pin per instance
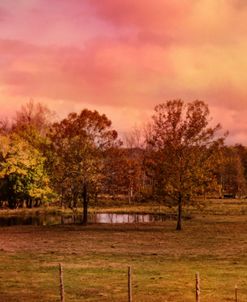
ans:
(232, 176)
(4, 126)
(114, 182)
(32, 122)
(124, 167)
(184, 150)
(79, 143)
(22, 172)
(24, 155)
(134, 157)
(33, 115)
(242, 152)
(123, 172)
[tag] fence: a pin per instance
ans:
(129, 286)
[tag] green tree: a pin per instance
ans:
(80, 142)
(184, 150)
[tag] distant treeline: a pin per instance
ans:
(177, 156)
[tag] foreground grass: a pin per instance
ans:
(96, 257)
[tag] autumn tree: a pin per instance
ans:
(242, 153)
(22, 172)
(114, 182)
(4, 126)
(124, 167)
(134, 157)
(79, 145)
(232, 178)
(32, 122)
(32, 116)
(123, 172)
(184, 150)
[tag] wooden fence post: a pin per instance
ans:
(61, 283)
(129, 285)
(197, 287)
(236, 293)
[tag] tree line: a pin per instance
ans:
(176, 158)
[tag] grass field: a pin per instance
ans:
(96, 257)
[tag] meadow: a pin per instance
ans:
(95, 258)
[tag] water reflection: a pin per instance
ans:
(111, 218)
(127, 218)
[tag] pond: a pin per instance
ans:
(111, 218)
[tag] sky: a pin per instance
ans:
(122, 57)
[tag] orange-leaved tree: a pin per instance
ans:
(184, 150)
(79, 143)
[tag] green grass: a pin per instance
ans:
(96, 257)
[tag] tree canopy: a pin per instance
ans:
(79, 143)
(22, 172)
(183, 148)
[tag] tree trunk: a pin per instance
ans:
(85, 205)
(30, 203)
(179, 219)
(12, 204)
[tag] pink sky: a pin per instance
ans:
(122, 57)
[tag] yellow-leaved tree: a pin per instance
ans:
(23, 177)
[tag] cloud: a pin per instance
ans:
(144, 14)
(113, 54)
(3, 14)
(103, 72)
(178, 21)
